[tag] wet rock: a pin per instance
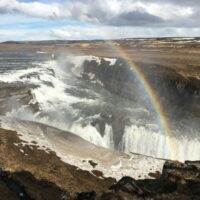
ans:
(14, 95)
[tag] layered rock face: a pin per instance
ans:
(169, 84)
(179, 94)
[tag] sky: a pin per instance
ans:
(98, 19)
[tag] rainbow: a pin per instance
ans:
(152, 96)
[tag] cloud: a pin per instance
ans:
(109, 32)
(134, 18)
(79, 32)
(177, 2)
(111, 12)
(97, 19)
(94, 32)
(35, 9)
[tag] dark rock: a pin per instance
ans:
(87, 196)
(97, 173)
(92, 163)
(155, 174)
(179, 181)
(128, 185)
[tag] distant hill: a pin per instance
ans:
(95, 40)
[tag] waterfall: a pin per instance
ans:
(143, 141)
(91, 134)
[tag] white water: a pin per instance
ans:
(91, 134)
(55, 101)
(140, 140)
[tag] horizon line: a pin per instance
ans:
(98, 39)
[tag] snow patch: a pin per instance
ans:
(73, 150)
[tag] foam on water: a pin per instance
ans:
(14, 75)
(55, 77)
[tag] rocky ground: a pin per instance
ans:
(178, 181)
(27, 172)
(40, 175)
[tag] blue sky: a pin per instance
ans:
(94, 19)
